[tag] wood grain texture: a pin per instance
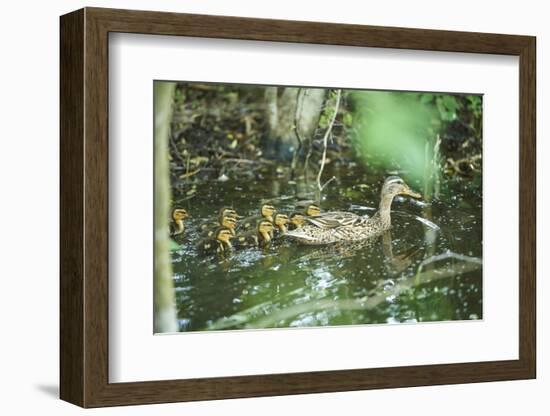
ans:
(71, 218)
(527, 208)
(84, 207)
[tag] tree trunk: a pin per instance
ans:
(164, 298)
(271, 107)
(300, 107)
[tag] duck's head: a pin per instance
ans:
(297, 219)
(312, 209)
(267, 211)
(179, 214)
(280, 220)
(228, 212)
(265, 228)
(229, 222)
(224, 234)
(394, 185)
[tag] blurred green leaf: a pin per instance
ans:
(348, 119)
(426, 98)
(393, 130)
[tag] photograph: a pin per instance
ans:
(283, 206)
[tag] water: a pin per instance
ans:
(427, 268)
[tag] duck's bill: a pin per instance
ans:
(410, 192)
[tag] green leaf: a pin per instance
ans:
(348, 119)
(426, 98)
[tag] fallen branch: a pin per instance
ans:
(248, 161)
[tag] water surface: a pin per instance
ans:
(427, 268)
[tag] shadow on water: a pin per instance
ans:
(427, 268)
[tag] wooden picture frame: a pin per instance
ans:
(84, 207)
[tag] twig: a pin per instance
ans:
(189, 174)
(175, 150)
(327, 182)
(248, 161)
(325, 144)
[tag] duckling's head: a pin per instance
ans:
(179, 214)
(280, 219)
(224, 234)
(265, 227)
(228, 212)
(229, 222)
(267, 210)
(297, 219)
(312, 209)
(394, 185)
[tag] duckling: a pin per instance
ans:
(312, 209)
(280, 222)
(228, 212)
(220, 243)
(223, 213)
(296, 220)
(229, 222)
(260, 237)
(177, 227)
(266, 212)
(308, 207)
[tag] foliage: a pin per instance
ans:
(392, 130)
(402, 132)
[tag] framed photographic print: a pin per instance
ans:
(256, 207)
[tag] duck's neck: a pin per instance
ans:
(265, 236)
(226, 245)
(179, 227)
(384, 210)
(282, 228)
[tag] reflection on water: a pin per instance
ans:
(428, 268)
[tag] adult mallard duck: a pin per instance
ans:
(260, 237)
(266, 213)
(220, 243)
(280, 222)
(177, 227)
(228, 222)
(223, 213)
(331, 227)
